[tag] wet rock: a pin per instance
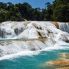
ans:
(18, 31)
(2, 33)
(56, 24)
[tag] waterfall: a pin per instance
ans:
(64, 27)
(31, 36)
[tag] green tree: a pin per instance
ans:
(61, 10)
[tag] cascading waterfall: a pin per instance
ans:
(64, 27)
(31, 36)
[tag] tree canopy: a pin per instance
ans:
(57, 11)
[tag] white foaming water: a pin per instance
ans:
(22, 53)
(30, 38)
(31, 53)
(64, 27)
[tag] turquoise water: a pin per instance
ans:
(31, 62)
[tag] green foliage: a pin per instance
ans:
(61, 14)
(61, 10)
(57, 11)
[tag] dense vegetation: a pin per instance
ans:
(57, 11)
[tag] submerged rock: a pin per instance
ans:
(61, 63)
(64, 55)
